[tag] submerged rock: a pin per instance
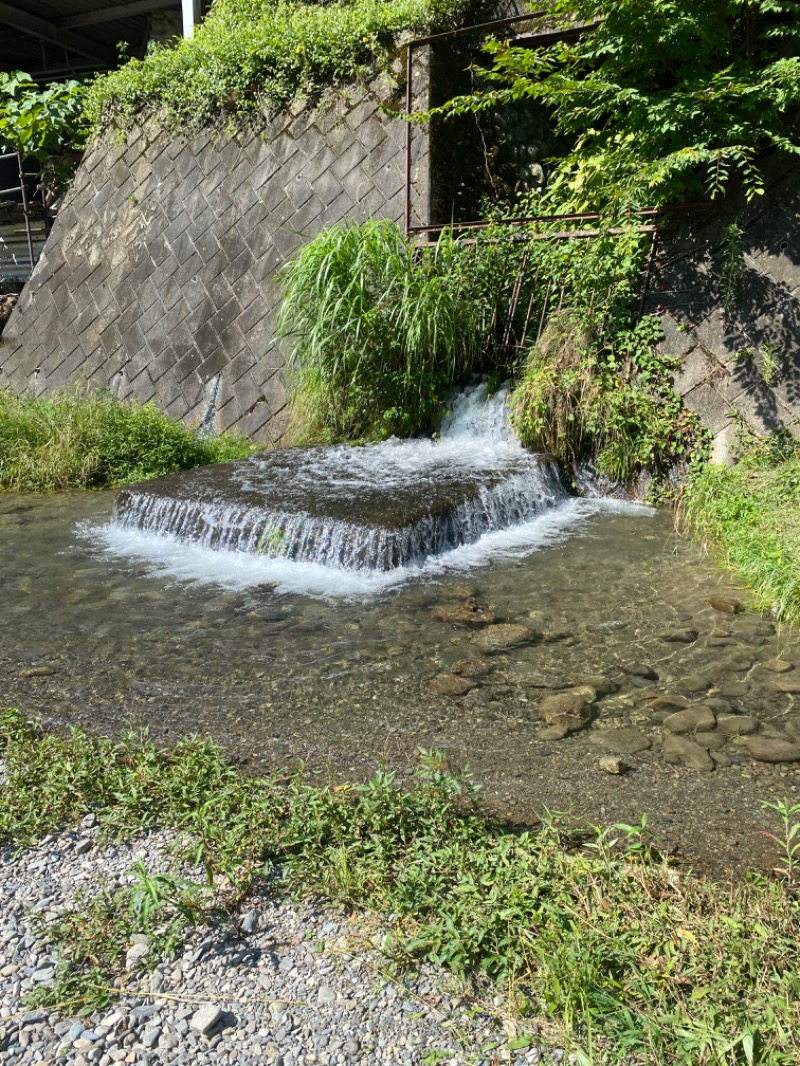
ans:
(778, 666)
(603, 686)
(773, 749)
(724, 605)
(463, 614)
(38, 671)
(678, 636)
(691, 720)
(790, 687)
(449, 685)
(640, 670)
(504, 635)
(669, 704)
(470, 668)
(737, 725)
(569, 711)
(695, 683)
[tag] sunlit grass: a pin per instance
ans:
(752, 512)
(636, 962)
(87, 439)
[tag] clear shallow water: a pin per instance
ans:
(278, 670)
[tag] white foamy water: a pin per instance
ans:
(353, 521)
(196, 565)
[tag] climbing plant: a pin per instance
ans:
(250, 56)
(658, 99)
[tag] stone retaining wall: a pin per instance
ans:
(157, 279)
(730, 307)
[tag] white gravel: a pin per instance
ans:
(297, 984)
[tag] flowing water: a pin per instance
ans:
(282, 655)
(395, 506)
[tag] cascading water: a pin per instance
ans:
(374, 508)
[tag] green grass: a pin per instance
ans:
(752, 513)
(252, 55)
(638, 963)
(86, 440)
(379, 331)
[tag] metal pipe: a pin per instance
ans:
(480, 27)
(583, 216)
(409, 100)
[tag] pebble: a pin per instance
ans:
(612, 764)
(256, 1001)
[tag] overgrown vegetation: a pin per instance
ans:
(380, 329)
(47, 125)
(251, 56)
(85, 440)
(636, 961)
(660, 99)
(751, 511)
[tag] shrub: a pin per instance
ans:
(252, 55)
(378, 330)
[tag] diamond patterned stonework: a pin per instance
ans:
(157, 280)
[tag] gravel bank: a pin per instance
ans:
(296, 984)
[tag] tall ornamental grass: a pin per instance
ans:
(378, 330)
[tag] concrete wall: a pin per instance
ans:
(157, 279)
(731, 310)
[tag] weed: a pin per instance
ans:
(770, 364)
(271, 542)
(788, 840)
(751, 511)
(732, 267)
(599, 933)
(87, 439)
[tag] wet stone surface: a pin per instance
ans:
(621, 613)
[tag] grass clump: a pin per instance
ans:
(249, 56)
(86, 440)
(378, 330)
(638, 963)
(751, 511)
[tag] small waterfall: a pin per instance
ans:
(371, 508)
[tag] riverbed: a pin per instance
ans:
(617, 604)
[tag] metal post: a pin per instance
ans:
(409, 99)
(192, 13)
(25, 210)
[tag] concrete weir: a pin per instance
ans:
(157, 280)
